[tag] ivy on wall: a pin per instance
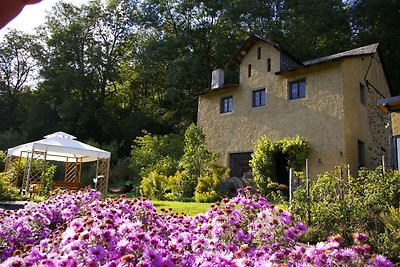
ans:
(295, 151)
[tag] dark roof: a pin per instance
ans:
(389, 105)
(228, 86)
(248, 44)
(364, 50)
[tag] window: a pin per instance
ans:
(268, 64)
(259, 53)
(297, 89)
(361, 153)
(259, 98)
(249, 70)
(362, 94)
(227, 104)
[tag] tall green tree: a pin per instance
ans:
(378, 21)
(312, 28)
(17, 69)
(84, 48)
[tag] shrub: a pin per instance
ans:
(8, 191)
(2, 159)
(388, 242)
(359, 205)
(156, 153)
(195, 159)
(154, 185)
(208, 185)
(265, 152)
(46, 180)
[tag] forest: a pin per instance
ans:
(108, 70)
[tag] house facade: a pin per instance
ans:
(330, 101)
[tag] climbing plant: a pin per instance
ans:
(295, 150)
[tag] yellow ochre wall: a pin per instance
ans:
(321, 117)
(365, 122)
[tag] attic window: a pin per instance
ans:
(269, 64)
(249, 70)
(259, 53)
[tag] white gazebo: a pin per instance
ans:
(62, 147)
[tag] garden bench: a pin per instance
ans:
(74, 186)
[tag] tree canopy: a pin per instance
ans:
(108, 70)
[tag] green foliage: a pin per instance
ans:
(154, 185)
(261, 162)
(46, 180)
(388, 242)
(8, 191)
(3, 156)
(156, 153)
(208, 186)
(196, 158)
(294, 150)
(362, 204)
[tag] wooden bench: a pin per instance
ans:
(74, 186)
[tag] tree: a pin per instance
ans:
(313, 28)
(378, 21)
(17, 68)
(195, 159)
(156, 153)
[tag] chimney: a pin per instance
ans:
(217, 79)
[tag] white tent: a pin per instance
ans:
(60, 146)
(63, 147)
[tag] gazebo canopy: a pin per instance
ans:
(60, 146)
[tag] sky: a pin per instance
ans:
(33, 15)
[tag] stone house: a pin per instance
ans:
(330, 101)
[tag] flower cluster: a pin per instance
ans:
(80, 230)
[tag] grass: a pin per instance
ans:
(189, 208)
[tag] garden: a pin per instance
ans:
(353, 222)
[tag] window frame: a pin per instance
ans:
(260, 102)
(299, 94)
(229, 106)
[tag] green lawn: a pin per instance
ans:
(189, 208)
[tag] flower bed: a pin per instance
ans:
(78, 229)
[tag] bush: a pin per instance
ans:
(265, 152)
(7, 189)
(156, 153)
(388, 242)
(154, 185)
(363, 204)
(46, 180)
(3, 156)
(208, 185)
(195, 159)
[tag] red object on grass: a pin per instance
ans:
(9, 9)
